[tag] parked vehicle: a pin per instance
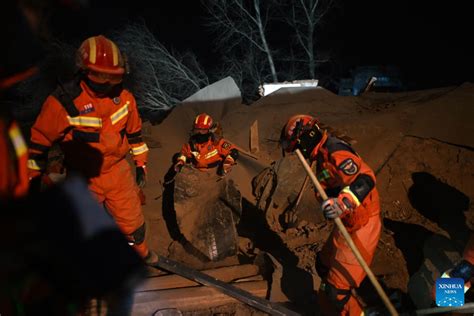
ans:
(386, 78)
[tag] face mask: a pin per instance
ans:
(201, 138)
(101, 88)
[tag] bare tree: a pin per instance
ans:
(304, 16)
(158, 77)
(248, 69)
(29, 95)
(240, 23)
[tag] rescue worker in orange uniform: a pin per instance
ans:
(14, 155)
(350, 185)
(205, 150)
(25, 288)
(97, 123)
(18, 62)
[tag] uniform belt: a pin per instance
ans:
(214, 164)
(86, 136)
(211, 165)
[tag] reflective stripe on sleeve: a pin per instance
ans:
(34, 165)
(18, 141)
(85, 121)
(354, 198)
(120, 113)
(139, 150)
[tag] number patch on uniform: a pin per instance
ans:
(226, 145)
(349, 167)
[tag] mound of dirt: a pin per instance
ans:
(420, 144)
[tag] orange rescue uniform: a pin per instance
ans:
(209, 154)
(95, 142)
(13, 158)
(341, 170)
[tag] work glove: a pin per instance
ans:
(335, 207)
(331, 208)
(178, 166)
(141, 176)
(227, 165)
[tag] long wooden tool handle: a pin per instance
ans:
(303, 188)
(348, 238)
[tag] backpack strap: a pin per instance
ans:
(334, 144)
(65, 93)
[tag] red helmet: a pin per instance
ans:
(203, 122)
(102, 59)
(295, 128)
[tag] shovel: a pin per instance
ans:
(291, 215)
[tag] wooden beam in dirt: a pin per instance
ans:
(254, 142)
(225, 288)
(225, 274)
(191, 298)
(246, 153)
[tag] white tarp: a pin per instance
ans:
(268, 88)
(223, 89)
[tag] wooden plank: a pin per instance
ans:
(228, 289)
(225, 274)
(254, 140)
(191, 298)
(251, 278)
(246, 153)
(465, 309)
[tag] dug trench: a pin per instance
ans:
(421, 238)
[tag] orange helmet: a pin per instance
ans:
(203, 122)
(102, 60)
(297, 127)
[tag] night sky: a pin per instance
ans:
(428, 40)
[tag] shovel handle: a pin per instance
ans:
(348, 239)
(303, 188)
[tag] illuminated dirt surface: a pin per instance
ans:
(420, 144)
